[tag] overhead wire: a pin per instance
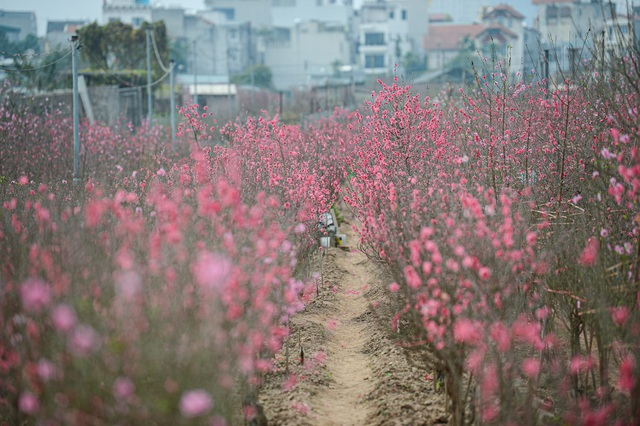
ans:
(30, 55)
(166, 70)
(158, 58)
(155, 49)
(36, 68)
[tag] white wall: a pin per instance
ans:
(310, 50)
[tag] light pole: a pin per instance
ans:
(149, 94)
(195, 74)
(172, 95)
(76, 118)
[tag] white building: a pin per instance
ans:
(469, 11)
(216, 46)
(285, 13)
(18, 25)
(308, 48)
(257, 12)
(566, 26)
(620, 30)
(132, 12)
(383, 36)
(59, 33)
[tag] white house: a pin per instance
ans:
(566, 26)
(383, 36)
(388, 30)
(285, 13)
(216, 46)
(308, 48)
(501, 30)
(620, 29)
(258, 12)
(18, 25)
(132, 12)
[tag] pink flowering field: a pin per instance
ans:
(158, 289)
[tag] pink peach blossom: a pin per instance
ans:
(35, 295)
(195, 403)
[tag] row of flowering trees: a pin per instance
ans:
(158, 289)
(508, 219)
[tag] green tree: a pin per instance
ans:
(413, 63)
(259, 75)
(48, 73)
(178, 51)
(120, 47)
(29, 43)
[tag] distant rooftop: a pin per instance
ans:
(63, 26)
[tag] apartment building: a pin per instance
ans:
(387, 31)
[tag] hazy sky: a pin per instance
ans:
(57, 10)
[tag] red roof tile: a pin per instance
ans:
(503, 7)
(448, 37)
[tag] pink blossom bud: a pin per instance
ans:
(28, 403)
(195, 403)
(35, 295)
(63, 318)
(123, 388)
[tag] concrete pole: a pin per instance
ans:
(76, 118)
(149, 93)
(195, 74)
(172, 96)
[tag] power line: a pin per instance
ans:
(36, 68)
(30, 55)
(155, 49)
(158, 81)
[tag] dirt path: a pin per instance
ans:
(353, 372)
(343, 402)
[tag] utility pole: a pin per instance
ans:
(172, 96)
(195, 74)
(228, 76)
(76, 119)
(149, 94)
(546, 69)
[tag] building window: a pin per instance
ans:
(392, 14)
(374, 61)
(374, 39)
(404, 14)
(136, 22)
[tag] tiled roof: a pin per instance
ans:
(505, 8)
(500, 28)
(448, 37)
(59, 26)
(551, 1)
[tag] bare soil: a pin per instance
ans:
(354, 373)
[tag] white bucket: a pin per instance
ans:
(325, 242)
